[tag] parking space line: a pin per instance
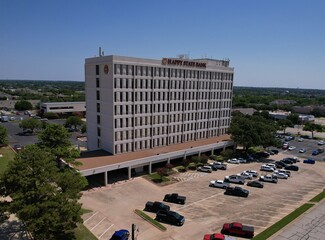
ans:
(90, 217)
(199, 201)
(97, 224)
(106, 231)
(268, 216)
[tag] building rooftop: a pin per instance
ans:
(101, 158)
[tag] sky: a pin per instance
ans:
(278, 43)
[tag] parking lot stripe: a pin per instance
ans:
(97, 224)
(90, 217)
(106, 231)
(200, 201)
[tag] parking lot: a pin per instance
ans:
(206, 208)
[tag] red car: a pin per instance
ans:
(214, 236)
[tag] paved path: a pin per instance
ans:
(310, 226)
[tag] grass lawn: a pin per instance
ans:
(7, 155)
(82, 233)
(283, 222)
(318, 197)
(155, 177)
(150, 220)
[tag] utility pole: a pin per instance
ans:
(133, 231)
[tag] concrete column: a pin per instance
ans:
(199, 153)
(212, 151)
(185, 155)
(168, 160)
(106, 178)
(129, 173)
(150, 165)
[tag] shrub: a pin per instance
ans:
(227, 153)
(181, 169)
(51, 115)
(204, 159)
(213, 157)
(195, 159)
(192, 166)
(186, 162)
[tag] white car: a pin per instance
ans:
(272, 165)
(291, 148)
(234, 179)
(245, 175)
(267, 168)
(234, 161)
(268, 178)
(207, 169)
(242, 160)
(321, 142)
(287, 172)
(252, 172)
(302, 150)
(300, 139)
(280, 175)
(219, 184)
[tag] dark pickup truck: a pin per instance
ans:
(237, 191)
(174, 198)
(156, 207)
(238, 229)
(170, 217)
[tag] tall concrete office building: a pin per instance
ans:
(134, 104)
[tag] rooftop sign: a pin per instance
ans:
(183, 63)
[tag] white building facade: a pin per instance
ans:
(135, 104)
(63, 107)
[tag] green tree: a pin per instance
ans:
(294, 118)
(44, 198)
(73, 121)
(30, 123)
(3, 136)
(283, 124)
(83, 128)
(56, 139)
(23, 105)
(312, 127)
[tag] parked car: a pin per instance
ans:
(292, 167)
(268, 178)
(236, 191)
(275, 151)
(170, 217)
(175, 198)
(285, 145)
(122, 234)
(234, 179)
(321, 142)
(302, 150)
(315, 152)
(287, 161)
(242, 160)
(263, 154)
(245, 175)
(233, 160)
(238, 229)
(280, 175)
(207, 169)
(156, 207)
(309, 161)
(218, 165)
(287, 172)
(252, 172)
(219, 184)
(18, 147)
(257, 184)
(300, 139)
(214, 236)
(291, 148)
(280, 164)
(267, 168)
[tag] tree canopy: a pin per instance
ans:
(23, 105)
(43, 197)
(283, 124)
(73, 121)
(30, 123)
(252, 131)
(312, 127)
(56, 139)
(3, 136)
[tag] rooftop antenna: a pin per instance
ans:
(100, 52)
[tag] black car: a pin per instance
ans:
(236, 191)
(263, 154)
(275, 151)
(156, 207)
(175, 198)
(170, 217)
(292, 167)
(257, 184)
(293, 160)
(287, 161)
(280, 164)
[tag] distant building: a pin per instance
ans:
(306, 118)
(279, 115)
(307, 109)
(246, 111)
(282, 102)
(63, 107)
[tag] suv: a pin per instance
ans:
(170, 217)
(268, 178)
(156, 207)
(218, 165)
(236, 191)
(234, 179)
(207, 169)
(267, 168)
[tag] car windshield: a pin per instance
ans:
(175, 214)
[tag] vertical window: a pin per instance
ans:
(98, 107)
(97, 95)
(97, 83)
(97, 69)
(98, 131)
(98, 119)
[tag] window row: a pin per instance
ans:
(121, 69)
(130, 83)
